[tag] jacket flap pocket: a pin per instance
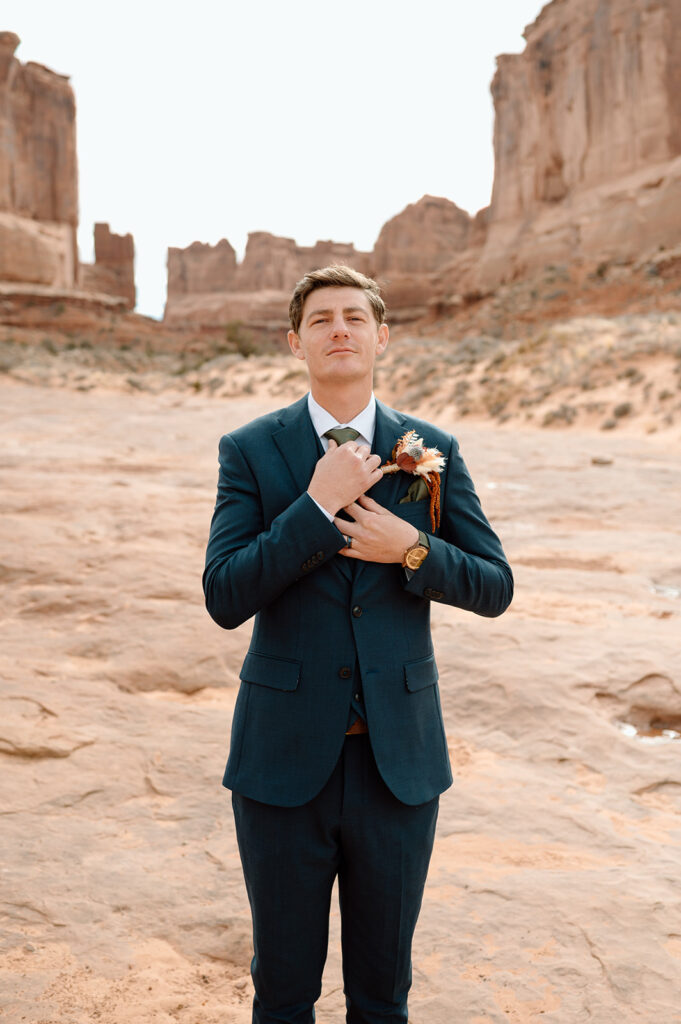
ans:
(421, 673)
(414, 511)
(278, 673)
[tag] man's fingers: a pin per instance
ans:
(354, 510)
(346, 526)
(332, 444)
(369, 504)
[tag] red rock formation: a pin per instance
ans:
(206, 285)
(201, 268)
(113, 272)
(587, 147)
(421, 238)
(587, 138)
(38, 172)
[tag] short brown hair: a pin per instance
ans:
(335, 276)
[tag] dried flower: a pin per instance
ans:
(412, 456)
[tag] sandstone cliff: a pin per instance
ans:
(39, 194)
(206, 284)
(38, 172)
(587, 146)
(587, 141)
(113, 272)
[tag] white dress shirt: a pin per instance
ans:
(364, 423)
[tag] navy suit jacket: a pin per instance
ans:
(323, 620)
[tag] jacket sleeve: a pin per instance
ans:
(466, 566)
(249, 564)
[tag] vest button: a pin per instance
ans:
(357, 611)
(345, 672)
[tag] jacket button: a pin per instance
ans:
(357, 611)
(320, 554)
(345, 672)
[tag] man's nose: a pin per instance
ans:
(339, 327)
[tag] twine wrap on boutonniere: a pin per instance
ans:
(411, 455)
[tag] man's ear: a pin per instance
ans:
(382, 343)
(295, 346)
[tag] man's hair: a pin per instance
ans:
(335, 276)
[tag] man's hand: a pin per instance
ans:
(342, 474)
(377, 535)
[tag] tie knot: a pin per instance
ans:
(342, 434)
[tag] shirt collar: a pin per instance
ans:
(364, 422)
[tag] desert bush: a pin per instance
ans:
(240, 339)
(563, 414)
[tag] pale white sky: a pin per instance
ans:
(212, 118)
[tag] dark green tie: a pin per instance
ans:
(342, 434)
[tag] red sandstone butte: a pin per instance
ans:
(39, 191)
(587, 144)
(38, 172)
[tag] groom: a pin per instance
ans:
(338, 751)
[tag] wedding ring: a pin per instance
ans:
(348, 541)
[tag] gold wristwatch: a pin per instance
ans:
(414, 557)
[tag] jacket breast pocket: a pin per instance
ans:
(277, 673)
(421, 673)
(416, 512)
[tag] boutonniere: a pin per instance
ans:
(411, 455)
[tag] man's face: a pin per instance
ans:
(338, 336)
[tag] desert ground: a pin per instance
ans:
(554, 889)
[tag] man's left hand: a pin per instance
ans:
(376, 534)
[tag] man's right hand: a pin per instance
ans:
(342, 474)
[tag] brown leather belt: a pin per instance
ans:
(358, 726)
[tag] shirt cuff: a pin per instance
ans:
(321, 508)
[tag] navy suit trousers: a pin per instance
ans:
(379, 848)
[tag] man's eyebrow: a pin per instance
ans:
(327, 312)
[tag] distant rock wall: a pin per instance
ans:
(207, 285)
(587, 139)
(587, 145)
(421, 238)
(38, 172)
(113, 272)
(201, 269)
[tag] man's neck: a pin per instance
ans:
(343, 403)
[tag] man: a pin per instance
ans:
(338, 752)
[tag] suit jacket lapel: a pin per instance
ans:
(301, 449)
(298, 443)
(390, 426)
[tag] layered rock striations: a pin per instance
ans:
(38, 172)
(587, 145)
(587, 139)
(412, 246)
(207, 285)
(113, 272)
(39, 193)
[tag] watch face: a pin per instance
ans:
(414, 558)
